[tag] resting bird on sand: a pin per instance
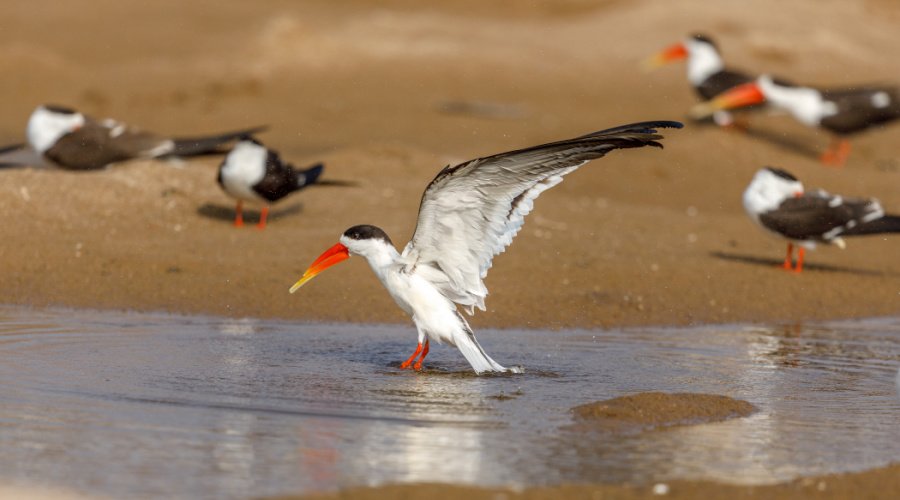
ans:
(253, 173)
(469, 213)
(74, 141)
(777, 203)
(842, 112)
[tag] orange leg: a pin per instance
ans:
(837, 153)
(409, 361)
(262, 218)
(801, 252)
(418, 365)
(787, 259)
(239, 218)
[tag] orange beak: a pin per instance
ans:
(331, 257)
(671, 54)
(747, 94)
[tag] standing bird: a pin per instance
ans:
(74, 141)
(706, 71)
(251, 172)
(469, 213)
(840, 111)
(777, 203)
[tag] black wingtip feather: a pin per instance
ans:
(637, 128)
(310, 175)
(883, 225)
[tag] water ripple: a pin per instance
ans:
(150, 406)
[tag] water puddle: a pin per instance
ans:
(155, 406)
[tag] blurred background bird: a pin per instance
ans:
(776, 201)
(706, 71)
(68, 139)
(253, 173)
(841, 111)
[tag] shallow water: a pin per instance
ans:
(156, 406)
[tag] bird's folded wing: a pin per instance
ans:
(820, 215)
(471, 212)
(101, 142)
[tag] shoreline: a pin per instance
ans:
(857, 485)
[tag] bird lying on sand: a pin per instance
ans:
(74, 141)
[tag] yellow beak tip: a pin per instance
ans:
(648, 65)
(300, 283)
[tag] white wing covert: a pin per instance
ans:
(471, 212)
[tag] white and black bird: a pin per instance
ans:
(468, 214)
(841, 111)
(253, 173)
(75, 141)
(777, 202)
(706, 71)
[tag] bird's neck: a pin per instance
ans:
(703, 63)
(381, 260)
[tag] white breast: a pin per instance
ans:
(703, 61)
(767, 192)
(46, 127)
(244, 167)
(431, 310)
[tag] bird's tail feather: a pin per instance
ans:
(471, 349)
(886, 224)
(309, 175)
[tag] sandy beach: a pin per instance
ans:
(387, 96)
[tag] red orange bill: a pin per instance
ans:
(330, 257)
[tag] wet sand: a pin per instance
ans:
(641, 237)
(388, 96)
(656, 410)
(873, 484)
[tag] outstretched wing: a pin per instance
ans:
(471, 212)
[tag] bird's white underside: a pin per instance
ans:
(243, 168)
